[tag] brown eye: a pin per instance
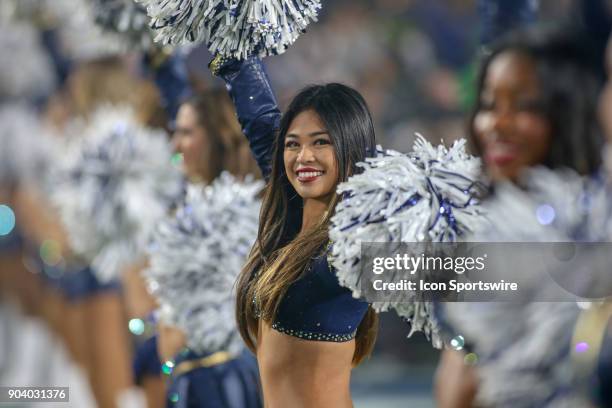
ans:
(530, 105)
(321, 142)
(290, 143)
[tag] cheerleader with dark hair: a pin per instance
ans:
(537, 95)
(290, 308)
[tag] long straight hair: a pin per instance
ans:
(280, 256)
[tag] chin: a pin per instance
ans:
(323, 197)
(501, 174)
(309, 194)
(318, 190)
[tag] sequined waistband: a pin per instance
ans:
(308, 335)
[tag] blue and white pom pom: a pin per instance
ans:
(195, 258)
(80, 37)
(550, 205)
(523, 348)
(116, 183)
(428, 195)
(232, 28)
(125, 17)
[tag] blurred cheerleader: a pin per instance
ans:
(88, 302)
(196, 256)
(537, 92)
(209, 139)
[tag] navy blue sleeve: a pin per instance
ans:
(258, 113)
(172, 79)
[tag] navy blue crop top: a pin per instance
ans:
(315, 307)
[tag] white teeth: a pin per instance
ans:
(308, 174)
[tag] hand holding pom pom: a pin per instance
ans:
(428, 195)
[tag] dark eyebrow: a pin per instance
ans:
(313, 134)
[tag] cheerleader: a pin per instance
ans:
(93, 299)
(537, 92)
(306, 330)
(202, 370)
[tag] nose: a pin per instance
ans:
(175, 141)
(501, 121)
(305, 155)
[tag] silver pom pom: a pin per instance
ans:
(125, 17)
(26, 70)
(549, 206)
(26, 147)
(522, 351)
(523, 348)
(195, 258)
(48, 13)
(81, 38)
(424, 196)
(116, 182)
(232, 28)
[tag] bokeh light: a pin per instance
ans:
(582, 347)
(50, 253)
(470, 359)
(177, 159)
(545, 214)
(457, 342)
(7, 219)
(136, 326)
(167, 367)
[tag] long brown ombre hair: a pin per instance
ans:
(281, 253)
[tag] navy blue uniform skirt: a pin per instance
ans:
(230, 384)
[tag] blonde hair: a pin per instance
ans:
(108, 81)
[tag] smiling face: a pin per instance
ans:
(510, 125)
(310, 158)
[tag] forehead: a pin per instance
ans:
(513, 71)
(186, 114)
(304, 123)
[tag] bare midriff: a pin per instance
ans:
(303, 373)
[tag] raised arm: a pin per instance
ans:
(255, 104)
(169, 72)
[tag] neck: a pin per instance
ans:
(314, 211)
